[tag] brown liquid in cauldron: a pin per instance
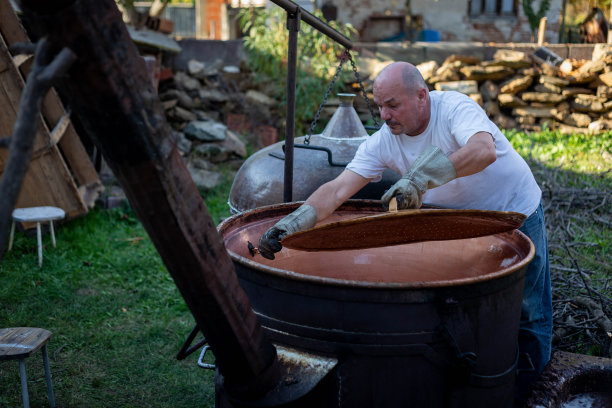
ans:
(427, 262)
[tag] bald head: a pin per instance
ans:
(402, 73)
(402, 97)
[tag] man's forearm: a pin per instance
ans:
(475, 156)
(332, 194)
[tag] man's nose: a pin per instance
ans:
(384, 114)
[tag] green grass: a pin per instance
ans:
(579, 163)
(217, 199)
(118, 319)
(587, 156)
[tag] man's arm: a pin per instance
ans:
(475, 156)
(432, 169)
(332, 194)
(319, 206)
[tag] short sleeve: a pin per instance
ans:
(367, 161)
(468, 118)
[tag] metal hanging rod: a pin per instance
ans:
(313, 21)
(295, 14)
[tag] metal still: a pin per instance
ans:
(317, 159)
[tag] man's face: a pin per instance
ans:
(403, 113)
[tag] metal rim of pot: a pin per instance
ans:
(285, 208)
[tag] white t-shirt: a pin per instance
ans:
(505, 185)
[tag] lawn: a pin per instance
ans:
(118, 319)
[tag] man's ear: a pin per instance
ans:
(421, 94)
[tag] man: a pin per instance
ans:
(452, 156)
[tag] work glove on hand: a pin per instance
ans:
(431, 169)
(301, 219)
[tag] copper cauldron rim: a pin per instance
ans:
(287, 274)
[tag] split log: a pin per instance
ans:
(480, 73)
(516, 84)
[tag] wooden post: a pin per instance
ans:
(200, 7)
(541, 31)
(609, 39)
(110, 91)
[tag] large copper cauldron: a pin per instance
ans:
(430, 324)
(260, 180)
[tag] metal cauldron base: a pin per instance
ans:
(431, 324)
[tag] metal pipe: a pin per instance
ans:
(313, 21)
(293, 25)
(562, 30)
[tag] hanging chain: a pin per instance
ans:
(327, 92)
(345, 55)
(363, 91)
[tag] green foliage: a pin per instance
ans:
(532, 16)
(587, 154)
(318, 57)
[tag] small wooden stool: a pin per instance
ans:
(18, 343)
(37, 215)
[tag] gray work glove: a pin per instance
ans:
(301, 219)
(431, 169)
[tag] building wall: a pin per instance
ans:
(383, 19)
(358, 12)
(450, 18)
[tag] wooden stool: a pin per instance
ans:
(18, 343)
(37, 215)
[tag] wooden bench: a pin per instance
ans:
(19, 343)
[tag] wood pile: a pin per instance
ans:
(525, 92)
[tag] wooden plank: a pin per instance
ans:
(52, 111)
(20, 60)
(48, 180)
(20, 342)
(59, 130)
(47, 159)
(70, 144)
(10, 27)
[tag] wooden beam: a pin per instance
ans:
(111, 93)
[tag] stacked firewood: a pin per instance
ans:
(521, 91)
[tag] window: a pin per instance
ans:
(493, 7)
